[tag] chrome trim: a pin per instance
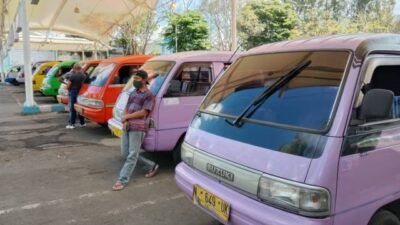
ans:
(245, 179)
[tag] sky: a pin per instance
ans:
(397, 8)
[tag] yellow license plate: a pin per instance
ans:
(115, 131)
(211, 202)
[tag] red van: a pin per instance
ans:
(110, 77)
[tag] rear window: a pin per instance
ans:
(307, 101)
(101, 74)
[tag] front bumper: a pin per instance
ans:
(62, 99)
(49, 91)
(97, 115)
(11, 80)
(149, 142)
(244, 210)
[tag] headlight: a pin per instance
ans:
(187, 154)
(304, 199)
(90, 102)
(63, 92)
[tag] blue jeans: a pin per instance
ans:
(131, 143)
(73, 97)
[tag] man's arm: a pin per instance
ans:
(136, 115)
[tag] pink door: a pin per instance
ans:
(185, 92)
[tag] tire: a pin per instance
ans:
(176, 152)
(384, 217)
(105, 125)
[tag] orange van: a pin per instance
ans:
(88, 69)
(110, 77)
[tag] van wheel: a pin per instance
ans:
(103, 124)
(176, 153)
(384, 217)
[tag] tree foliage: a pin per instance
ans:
(190, 29)
(134, 35)
(357, 16)
(265, 21)
(218, 15)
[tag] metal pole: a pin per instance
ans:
(3, 79)
(29, 105)
(83, 55)
(176, 37)
(95, 50)
(233, 25)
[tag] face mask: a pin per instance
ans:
(137, 84)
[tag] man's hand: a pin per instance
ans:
(124, 119)
(125, 126)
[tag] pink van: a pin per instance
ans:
(179, 81)
(300, 132)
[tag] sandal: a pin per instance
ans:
(118, 186)
(152, 172)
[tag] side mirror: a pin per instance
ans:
(376, 105)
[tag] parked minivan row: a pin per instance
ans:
(296, 132)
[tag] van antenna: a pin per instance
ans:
(229, 60)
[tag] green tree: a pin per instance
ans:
(265, 21)
(191, 30)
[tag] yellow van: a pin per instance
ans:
(40, 72)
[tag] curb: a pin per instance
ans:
(28, 110)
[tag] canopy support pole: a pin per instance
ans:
(3, 79)
(233, 25)
(30, 105)
(95, 50)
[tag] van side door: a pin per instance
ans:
(184, 94)
(369, 166)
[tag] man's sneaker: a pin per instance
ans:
(82, 125)
(70, 127)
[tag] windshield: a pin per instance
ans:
(100, 75)
(157, 72)
(53, 71)
(306, 101)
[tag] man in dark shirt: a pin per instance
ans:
(75, 80)
(135, 124)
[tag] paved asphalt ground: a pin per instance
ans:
(50, 175)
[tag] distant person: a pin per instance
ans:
(75, 80)
(135, 124)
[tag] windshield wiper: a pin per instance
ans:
(269, 92)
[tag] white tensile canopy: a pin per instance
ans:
(94, 20)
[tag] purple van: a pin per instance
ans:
(180, 81)
(301, 132)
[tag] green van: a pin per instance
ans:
(52, 81)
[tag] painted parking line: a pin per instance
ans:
(88, 196)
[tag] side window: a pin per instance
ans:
(193, 79)
(46, 70)
(376, 109)
(124, 74)
(90, 69)
(63, 71)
